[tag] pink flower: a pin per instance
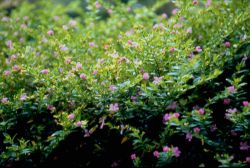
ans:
(231, 89)
(171, 50)
(189, 136)
(226, 101)
(176, 115)
(83, 76)
(133, 98)
(195, 2)
(9, 44)
(174, 11)
(78, 65)
(164, 16)
(145, 76)
(113, 107)
(72, 23)
(227, 44)
(248, 159)
(156, 154)
(67, 61)
(110, 11)
(92, 44)
(112, 88)
(208, 3)
(78, 124)
(5, 100)
(213, 128)
(157, 80)
(197, 130)
(23, 97)
(176, 152)
(189, 30)
(63, 47)
(133, 156)
(71, 116)
(16, 68)
(95, 72)
(45, 71)
(172, 106)
(166, 117)
(102, 123)
(244, 146)
(98, 5)
(201, 111)
(7, 73)
(198, 49)
(51, 107)
(166, 149)
(245, 103)
(50, 32)
(231, 110)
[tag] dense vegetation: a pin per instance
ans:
(121, 84)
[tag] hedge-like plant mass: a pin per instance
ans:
(118, 84)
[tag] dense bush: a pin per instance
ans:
(114, 83)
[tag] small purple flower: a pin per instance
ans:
(7, 73)
(133, 98)
(50, 107)
(63, 47)
(113, 107)
(166, 117)
(195, 2)
(112, 88)
(227, 44)
(5, 100)
(176, 115)
(172, 106)
(248, 159)
(71, 116)
(245, 103)
(95, 72)
(157, 80)
(231, 110)
(174, 11)
(189, 30)
(50, 32)
(201, 111)
(156, 154)
(83, 76)
(226, 101)
(198, 49)
(197, 130)
(9, 44)
(72, 23)
(23, 97)
(16, 68)
(145, 76)
(208, 3)
(45, 71)
(166, 149)
(133, 156)
(110, 11)
(231, 89)
(176, 152)
(189, 136)
(213, 128)
(78, 123)
(244, 146)
(98, 5)
(171, 50)
(78, 65)
(92, 44)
